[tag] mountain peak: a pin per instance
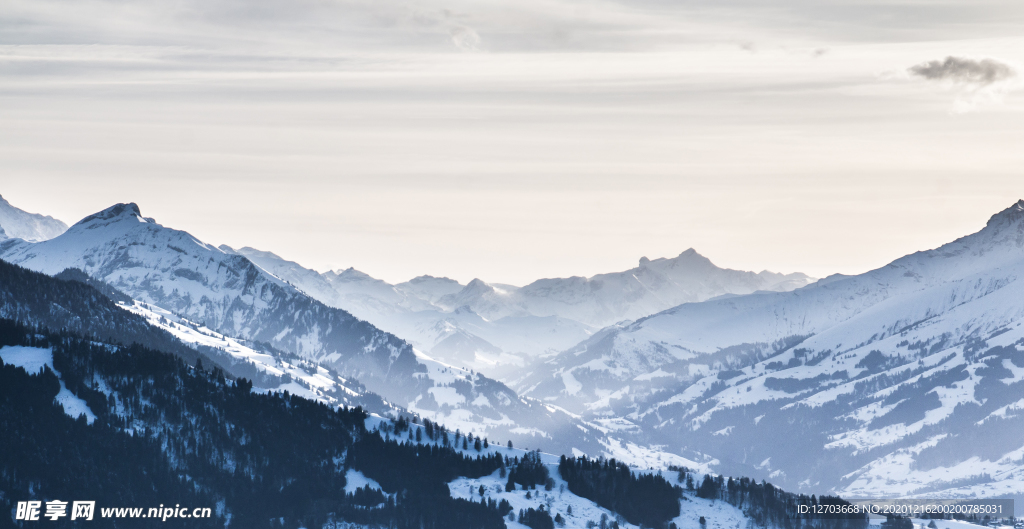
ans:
(691, 258)
(426, 277)
(32, 227)
(117, 210)
(1010, 215)
(249, 250)
(478, 284)
(688, 255)
(350, 274)
(1005, 227)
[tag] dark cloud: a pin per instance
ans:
(962, 70)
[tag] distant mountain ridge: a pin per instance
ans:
(499, 328)
(604, 299)
(20, 224)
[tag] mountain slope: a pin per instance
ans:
(864, 384)
(173, 270)
(17, 223)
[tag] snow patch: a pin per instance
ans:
(32, 359)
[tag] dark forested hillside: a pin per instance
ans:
(646, 499)
(767, 505)
(168, 432)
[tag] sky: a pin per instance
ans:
(514, 140)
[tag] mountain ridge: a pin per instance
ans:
(503, 327)
(16, 223)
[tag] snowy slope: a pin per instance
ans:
(450, 395)
(303, 378)
(557, 501)
(17, 223)
(902, 381)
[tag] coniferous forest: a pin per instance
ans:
(767, 505)
(644, 499)
(181, 433)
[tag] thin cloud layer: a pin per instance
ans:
(976, 82)
(962, 70)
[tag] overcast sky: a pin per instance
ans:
(517, 139)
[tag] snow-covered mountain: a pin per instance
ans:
(17, 223)
(499, 328)
(173, 270)
(226, 293)
(905, 380)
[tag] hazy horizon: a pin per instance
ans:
(466, 279)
